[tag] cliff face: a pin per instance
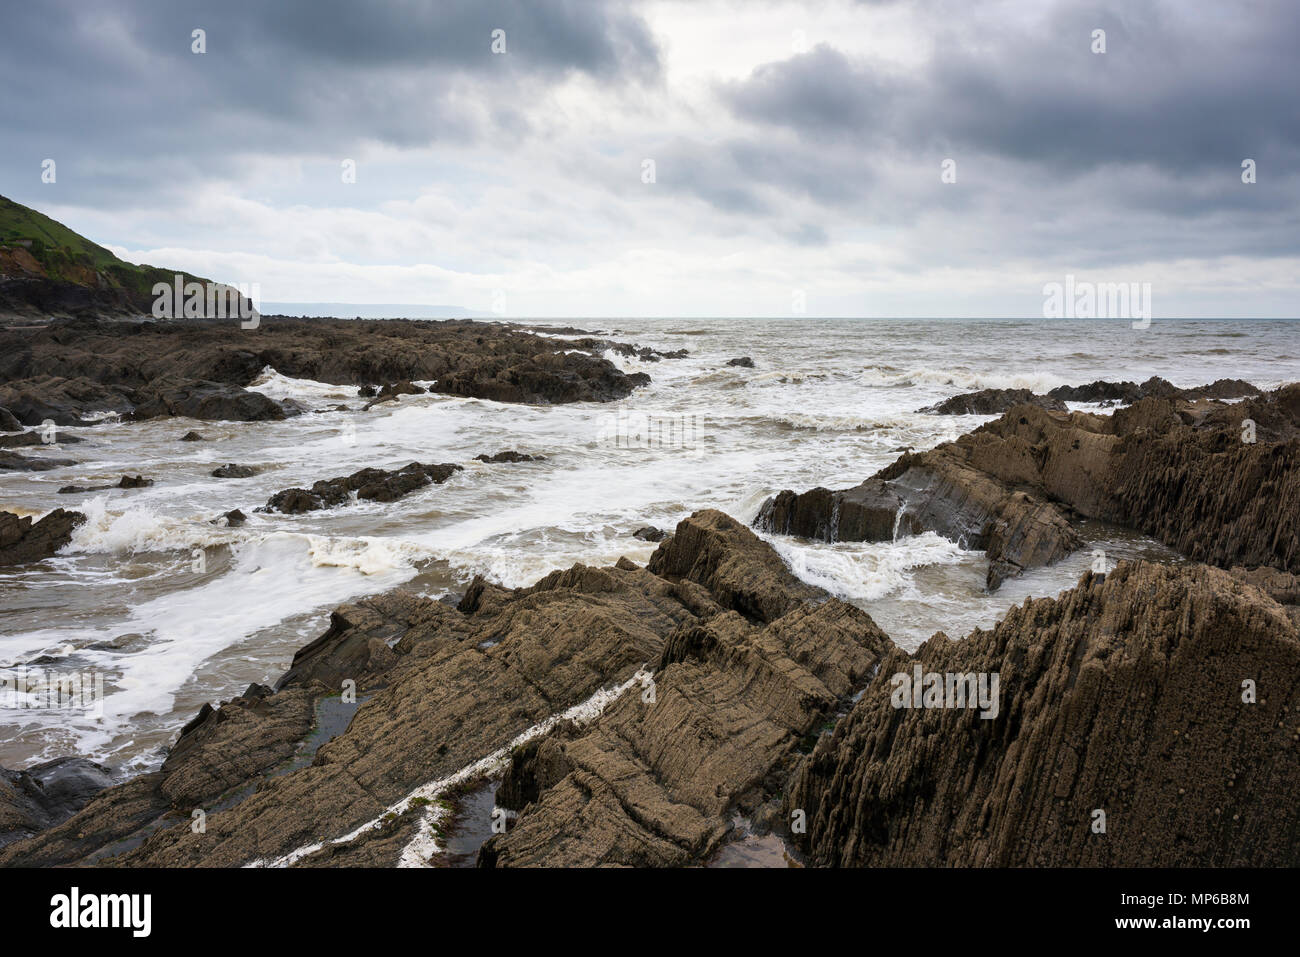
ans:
(1195, 475)
(1122, 696)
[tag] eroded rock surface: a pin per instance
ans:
(1123, 695)
(1217, 482)
(445, 686)
(22, 540)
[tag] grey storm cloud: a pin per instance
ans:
(1148, 136)
(114, 88)
(1176, 87)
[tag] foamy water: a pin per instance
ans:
(175, 610)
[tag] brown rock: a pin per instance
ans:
(1123, 695)
(22, 541)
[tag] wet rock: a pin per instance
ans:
(657, 778)
(208, 400)
(8, 423)
(126, 481)
(445, 686)
(22, 540)
(510, 455)
(1124, 695)
(992, 402)
(650, 534)
(34, 438)
(370, 484)
(47, 794)
(744, 362)
(1110, 393)
(543, 379)
(232, 519)
(643, 353)
(234, 471)
(367, 392)
(59, 399)
(394, 389)
(1177, 470)
(14, 462)
(748, 672)
(192, 436)
(356, 645)
(70, 368)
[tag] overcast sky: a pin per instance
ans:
(797, 149)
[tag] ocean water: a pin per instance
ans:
(175, 611)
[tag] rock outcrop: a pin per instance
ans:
(637, 714)
(992, 402)
(65, 370)
(376, 485)
(659, 776)
(1166, 698)
(234, 470)
(444, 687)
(47, 794)
(1218, 482)
(22, 540)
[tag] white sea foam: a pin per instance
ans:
(275, 386)
(867, 571)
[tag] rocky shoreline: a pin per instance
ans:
(650, 715)
(66, 370)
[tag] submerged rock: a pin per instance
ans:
(510, 455)
(12, 461)
(744, 362)
(126, 481)
(192, 436)
(232, 519)
(650, 534)
(36, 437)
(234, 471)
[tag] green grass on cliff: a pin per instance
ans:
(67, 255)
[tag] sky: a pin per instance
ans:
(673, 157)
